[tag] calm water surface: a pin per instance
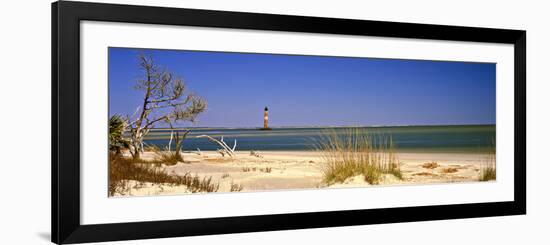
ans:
(465, 139)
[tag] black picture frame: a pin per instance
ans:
(66, 17)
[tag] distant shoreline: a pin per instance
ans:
(351, 126)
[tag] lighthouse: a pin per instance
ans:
(266, 118)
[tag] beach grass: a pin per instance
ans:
(488, 173)
(356, 152)
(488, 169)
(235, 187)
(122, 170)
(167, 157)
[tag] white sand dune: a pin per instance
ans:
(276, 170)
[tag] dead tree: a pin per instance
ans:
(178, 139)
(164, 100)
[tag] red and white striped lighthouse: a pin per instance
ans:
(266, 118)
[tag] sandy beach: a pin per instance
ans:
(276, 170)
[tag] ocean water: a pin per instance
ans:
(452, 139)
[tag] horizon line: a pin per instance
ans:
(338, 126)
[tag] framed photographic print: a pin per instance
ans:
(176, 122)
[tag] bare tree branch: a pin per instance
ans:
(164, 99)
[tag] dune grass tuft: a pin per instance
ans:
(355, 152)
(165, 157)
(168, 157)
(235, 187)
(488, 170)
(487, 173)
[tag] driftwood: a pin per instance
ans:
(225, 148)
(170, 142)
(222, 152)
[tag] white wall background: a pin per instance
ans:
(25, 120)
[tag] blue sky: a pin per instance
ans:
(315, 90)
